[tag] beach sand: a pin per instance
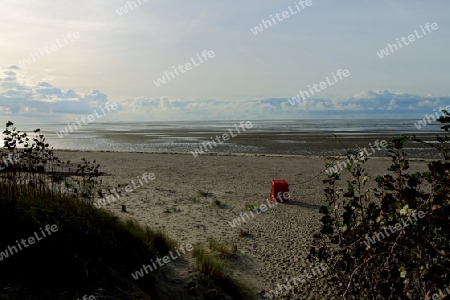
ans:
(280, 238)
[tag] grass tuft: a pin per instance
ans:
(202, 193)
(218, 204)
(250, 206)
(216, 270)
(244, 233)
(215, 245)
(193, 200)
(209, 265)
(169, 210)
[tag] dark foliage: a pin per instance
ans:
(408, 263)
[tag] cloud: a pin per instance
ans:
(19, 97)
(44, 101)
(370, 103)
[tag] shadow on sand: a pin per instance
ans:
(303, 204)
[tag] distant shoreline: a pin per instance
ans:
(278, 144)
(300, 156)
(293, 137)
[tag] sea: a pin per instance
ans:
(296, 137)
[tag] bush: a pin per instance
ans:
(370, 260)
(33, 168)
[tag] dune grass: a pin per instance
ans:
(216, 269)
(93, 251)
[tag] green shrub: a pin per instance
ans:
(411, 262)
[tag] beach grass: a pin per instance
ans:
(93, 251)
(216, 269)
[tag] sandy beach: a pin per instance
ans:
(189, 111)
(279, 238)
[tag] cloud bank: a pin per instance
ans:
(43, 102)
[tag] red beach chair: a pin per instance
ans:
(280, 191)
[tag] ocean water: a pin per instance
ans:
(276, 137)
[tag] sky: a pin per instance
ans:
(64, 59)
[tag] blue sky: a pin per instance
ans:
(117, 57)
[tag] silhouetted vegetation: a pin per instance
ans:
(410, 263)
(29, 166)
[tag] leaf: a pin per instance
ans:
(350, 191)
